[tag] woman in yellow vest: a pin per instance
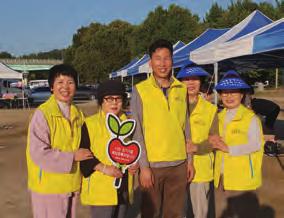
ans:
(239, 158)
(53, 152)
(203, 126)
(98, 190)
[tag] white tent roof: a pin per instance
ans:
(242, 46)
(205, 54)
(8, 73)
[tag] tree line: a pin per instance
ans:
(98, 49)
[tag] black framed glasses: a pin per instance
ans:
(110, 99)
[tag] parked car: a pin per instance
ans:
(39, 95)
(85, 93)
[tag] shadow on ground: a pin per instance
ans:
(247, 206)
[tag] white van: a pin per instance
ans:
(38, 83)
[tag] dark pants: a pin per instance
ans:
(167, 198)
(117, 211)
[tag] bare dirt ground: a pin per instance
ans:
(14, 197)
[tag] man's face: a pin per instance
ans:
(161, 63)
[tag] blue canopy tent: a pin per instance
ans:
(132, 70)
(180, 57)
(119, 72)
(261, 50)
(179, 44)
(249, 44)
(206, 54)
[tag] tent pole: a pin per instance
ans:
(132, 81)
(276, 77)
(215, 82)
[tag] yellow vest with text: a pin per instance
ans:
(163, 120)
(243, 172)
(98, 189)
(64, 136)
(201, 119)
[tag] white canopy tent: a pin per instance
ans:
(206, 54)
(8, 73)
(239, 47)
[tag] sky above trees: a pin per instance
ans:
(36, 25)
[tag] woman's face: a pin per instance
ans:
(112, 104)
(64, 88)
(193, 85)
(231, 98)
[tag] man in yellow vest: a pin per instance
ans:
(159, 106)
(203, 126)
(239, 158)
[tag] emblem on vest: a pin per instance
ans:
(177, 98)
(236, 131)
(199, 122)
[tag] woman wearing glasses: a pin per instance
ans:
(97, 186)
(238, 161)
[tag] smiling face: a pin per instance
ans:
(64, 88)
(112, 104)
(231, 98)
(193, 85)
(161, 63)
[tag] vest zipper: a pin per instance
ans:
(40, 174)
(211, 161)
(251, 166)
(89, 181)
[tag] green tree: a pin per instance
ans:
(214, 18)
(100, 49)
(175, 23)
(5, 55)
(53, 54)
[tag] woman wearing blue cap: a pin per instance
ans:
(204, 127)
(238, 163)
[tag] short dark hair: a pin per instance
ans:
(160, 43)
(206, 88)
(62, 69)
(111, 87)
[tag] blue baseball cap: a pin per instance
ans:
(231, 83)
(191, 71)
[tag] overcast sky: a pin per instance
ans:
(29, 26)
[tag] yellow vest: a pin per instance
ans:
(201, 119)
(240, 173)
(64, 137)
(163, 120)
(98, 189)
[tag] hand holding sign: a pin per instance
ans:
(120, 153)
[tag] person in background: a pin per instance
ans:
(206, 91)
(53, 152)
(203, 126)
(98, 190)
(266, 108)
(158, 105)
(238, 161)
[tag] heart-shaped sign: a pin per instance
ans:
(122, 153)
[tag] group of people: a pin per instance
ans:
(186, 145)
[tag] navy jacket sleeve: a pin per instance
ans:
(87, 166)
